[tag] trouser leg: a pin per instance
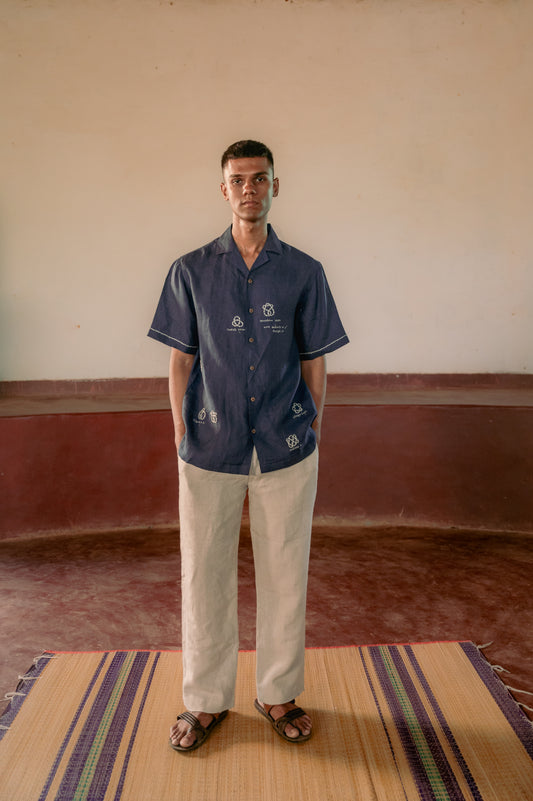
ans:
(281, 513)
(210, 506)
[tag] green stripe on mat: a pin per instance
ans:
(91, 763)
(419, 738)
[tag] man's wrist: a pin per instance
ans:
(179, 433)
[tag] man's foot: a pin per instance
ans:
(192, 729)
(290, 722)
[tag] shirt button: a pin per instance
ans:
(253, 430)
(250, 280)
(251, 311)
(251, 339)
(253, 400)
(252, 367)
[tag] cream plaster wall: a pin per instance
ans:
(402, 132)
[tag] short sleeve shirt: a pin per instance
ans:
(249, 330)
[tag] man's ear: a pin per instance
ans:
(275, 187)
(224, 190)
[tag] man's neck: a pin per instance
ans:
(250, 239)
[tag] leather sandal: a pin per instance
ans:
(202, 732)
(280, 724)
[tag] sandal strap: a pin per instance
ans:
(193, 722)
(291, 715)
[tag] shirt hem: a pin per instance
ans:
(244, 469)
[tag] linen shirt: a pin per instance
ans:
(249, 330)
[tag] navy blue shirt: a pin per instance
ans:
(249, 329)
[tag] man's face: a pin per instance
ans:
(249, 186)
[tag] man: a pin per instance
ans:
(249, 320)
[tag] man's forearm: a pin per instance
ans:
(314, 374)
(179, 372)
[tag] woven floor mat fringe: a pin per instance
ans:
(28, 676)
(520, 703)
(45, 655)
(500, 669)
(25, 678)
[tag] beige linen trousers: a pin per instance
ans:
(281, 511)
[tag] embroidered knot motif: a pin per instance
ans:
(292, 441)
(268, 310)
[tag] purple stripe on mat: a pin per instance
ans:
(446, 773)
(378, 707)
(135, 729)
(59, 757)
(74, 770)
(108, 755)
(445, 727)
(517, 719)
(409, 746)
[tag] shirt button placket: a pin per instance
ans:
(251, 370)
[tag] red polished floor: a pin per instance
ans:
(121, 590)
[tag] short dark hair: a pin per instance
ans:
(247, 149)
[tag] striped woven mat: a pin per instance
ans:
(420, 722)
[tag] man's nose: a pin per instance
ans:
(249, 186)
